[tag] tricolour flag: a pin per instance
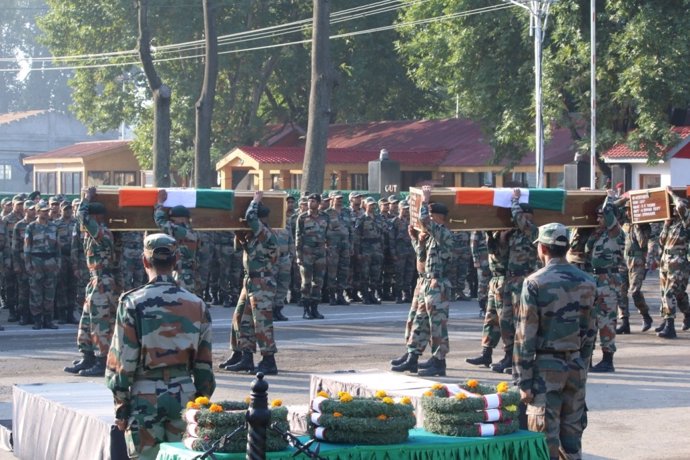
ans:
(538, 198)
(190, 198)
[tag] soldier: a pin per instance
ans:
(178, 226)
(434, 292)
(54, 203)
(81, 272)
(339, 243)
(6, 204)
(282, 268)
(385, 289)
(10, 277)
(204, 254)
(355, 280)
(368, 238)
(41, 256)
(66, 289)
(604, 253)
(100, 304)
(295, 278)
(458, 269)
(405, 254)
(323, 207)
(310, 247)
(131, 273)
(226, 269)
(554, 338)
(252, 320)
(673, 267)
(480, 262)
(4, 243)
(34, 196)
(19, 264)
(160, 357)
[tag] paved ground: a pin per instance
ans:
(641, 411)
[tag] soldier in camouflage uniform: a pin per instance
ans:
(252, 320)
(204, 256)
(226, 269)
(355, 279)
(368, 242)
(434, 293)
(461, 260)
(404, 254)
(604, 253)
(10, 276)
(295, 277)
(282, 268)
(129, 246)
(339, 242)
(19, 264)
(673, 267)
(160, 358)
(311, 234)
(100, 303)
(480, 262)
(385, 289)
(179, 227)
(554, 338)
(81, 273)
(66, 288)
(41, 258)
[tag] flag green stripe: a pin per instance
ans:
(552, 199)
(215, 199)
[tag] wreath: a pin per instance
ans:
(361, 407)
(358, 437)
(474, 429)
(452, 405)
(379, 424)
(470, 417)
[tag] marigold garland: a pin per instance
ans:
(215, 408)
(276, 403)
(363, 407)
(202, 400)
(502, 387)
(361, 438)
(323, 394)
(453, 405)
(405, 400)
(345, 398)
(462, 418)
(380, 394)
(387, 400)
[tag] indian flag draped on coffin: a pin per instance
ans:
(538, 198)
(190, 198)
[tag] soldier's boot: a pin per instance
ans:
(267, 365)
(437, 368)
(374, 299)
(386, 293)
(410, 364)
(356, 296)
(400, 360)
(399, 296)
(426, 364)
(669, 331)
(48, 322)
(482, 308)
(503, 364)
(38, 322)
(646, 322)
(71, 319)
(660, 327)
(341, 298)
(13, 317)
(87, 360)
(605, 365)
(332, 298)
(278, 313)
(686, 323)
(624, 328)
(307, 309)
(234, 358)
(245, 364)
(97, 370)
(482, 360)
(24, 320)
(315, 310)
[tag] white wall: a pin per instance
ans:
(643, 168)
(680, 172)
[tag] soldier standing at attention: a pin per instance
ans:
(178, 226)
(310, 247)
(252, 320)
(282, 268)
(160, 357)
(19, 264)
(41, 256)
(405, 254)
(554, 339)
(10, 277)
(100, 304)
(355, 279)
(66, 286)
(339, 243)
(480, 262)
(131, 274)
(368, 237)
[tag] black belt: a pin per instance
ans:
(525, 273)
(604, 271)
(497, 273)
(259, 274)
(671, 252)
(43, 255)
(564, 355)
(430, 276)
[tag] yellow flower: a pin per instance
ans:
(323, 394)
(461, 396)
(387, 400)
(382, 417)
(502, 387)
(437, 386)
(202, 400)
(345, 397)
(340, 393)
(276, 403)
(428, 393)
(472, 383)
(192, 405)
(380, 394)
(247, 400)
(511, 408)
(216, 408)
(405, 400)
(337, 414)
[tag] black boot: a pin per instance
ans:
(13, 317)
(409, 365)
(315, 310)
(97, 370)
(374, 300)
(400, 360)
(341, 299)
(399, 296)
(624, 328)
(48, 322)
(605, 365)
(646, 322)
(660, 327)
(245, 364)
(426, 364)
(482, 360)
(669, 331)
(278, 313)
(267, 365)
(437, 368)
(307, 309)
(686, 323)
(482, 308)
(332, 299)
(24, 320)
(38, 322)
(503, 364)
(87, 360)
(235, 358)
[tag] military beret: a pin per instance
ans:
(619, 185)
(263, 211)
(179, 211)
(159, 246)
(33, 195)
(553, 234)
(393, 199)
(5, 201)
(438, 208)
(96, 208)
(370, 200)
(315, 196)
(42, 206)
(29, 204)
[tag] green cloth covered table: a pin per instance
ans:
(420, 446)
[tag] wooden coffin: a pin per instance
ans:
(579, 211)
(140, 218)
(652, 205)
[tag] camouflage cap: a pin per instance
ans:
(65, 205)
(303, 200)
(53, 200)
(325, 197)
(179, 211)
(75, 202)
(393, 199)
(159, 246)
(5, 201)
(335, 194)
(60, 197)
(29, 204)
(383, 200)
(289, 197)
(42, 206)
(354, 195)
(553, 234)
(18, 199)
(23, 196)
(370, 200)
(405, 204)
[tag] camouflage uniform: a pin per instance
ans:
(10, 277)
(355, 278)
(131, 273)
(154, 370)
(226, 273)
(65, 295)
(41, 255)
(339, 242)
(204, 254)
(188, 242)
(480, 261)
(310, 246)
(498, 250)
(636, 243)
(368, 242)
(282, 267)
(81, 275)
(555, 333)
(576, 248)
(404, 259)
(295, 278)
(17, 248)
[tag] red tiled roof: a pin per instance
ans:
(275, 155)
(623, 152)
(81, 150)
(16, 116)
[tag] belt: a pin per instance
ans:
(430, 276)
(101, 272)
(165, 373)
(604, 271)
(522, 273)
(43, 255)
(498, 273)
(671, 252)
(564, 355)
(259, 274)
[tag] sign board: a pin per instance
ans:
(579, 211)
(140, 218)
(650, 205)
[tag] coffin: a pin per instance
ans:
(578, 210)
(140, 218)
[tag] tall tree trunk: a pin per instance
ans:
(204, 106)
(161, 102)
(319, 101)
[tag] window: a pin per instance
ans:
(70, 182)
(359, 181)
(296, 181)
(125, 178)
(276, 181)
(471, 179)
(46, 182)
(555, 180)
(5, 172)
(96, 178)
(448, 179)
(650, 180)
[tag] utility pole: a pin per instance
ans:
(593, 96)
(319, 101)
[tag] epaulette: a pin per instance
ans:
(124, 294)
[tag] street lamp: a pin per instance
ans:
(539, 11)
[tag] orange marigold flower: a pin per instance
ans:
(472, 383)
(382, 417)
(502, 387)
(387, 400)
(276, 403)
(216, 408)
(380, 394)
(202, 400)
(192, 405)
(247, 400)
(337, 414)
(461, 396)
(437, 386)
(428, 393)
(323, 394)
(345, 397)
(405, 400)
